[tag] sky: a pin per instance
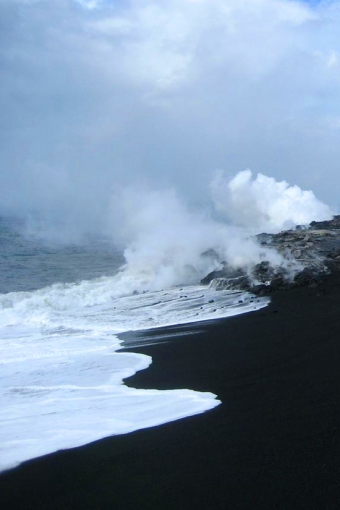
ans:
(100, 96)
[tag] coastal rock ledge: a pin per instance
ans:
(308, 254)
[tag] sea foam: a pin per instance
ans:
(62, 381)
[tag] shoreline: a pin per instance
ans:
(273, 443)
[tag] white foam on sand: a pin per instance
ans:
(61, 379)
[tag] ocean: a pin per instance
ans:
(62, 308)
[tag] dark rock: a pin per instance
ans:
(307, 276)
(212, 276)
(309, 252)
(226, 272)
(263, 272)
(325, 225)
(260, 290)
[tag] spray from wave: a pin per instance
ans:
(168, 244)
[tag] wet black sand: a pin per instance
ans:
(274, 443)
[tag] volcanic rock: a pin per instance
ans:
(308, 252)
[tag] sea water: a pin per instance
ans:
(62, 381)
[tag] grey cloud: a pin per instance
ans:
(99, 94)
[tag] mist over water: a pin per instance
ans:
(167, 243)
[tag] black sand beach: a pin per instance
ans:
(273, 443)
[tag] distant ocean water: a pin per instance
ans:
(61, 311)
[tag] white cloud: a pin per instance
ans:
(89, 4)
(329, 59)
(264, 204)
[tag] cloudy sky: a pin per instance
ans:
(101, 95)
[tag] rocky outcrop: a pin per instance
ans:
(308, 254)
